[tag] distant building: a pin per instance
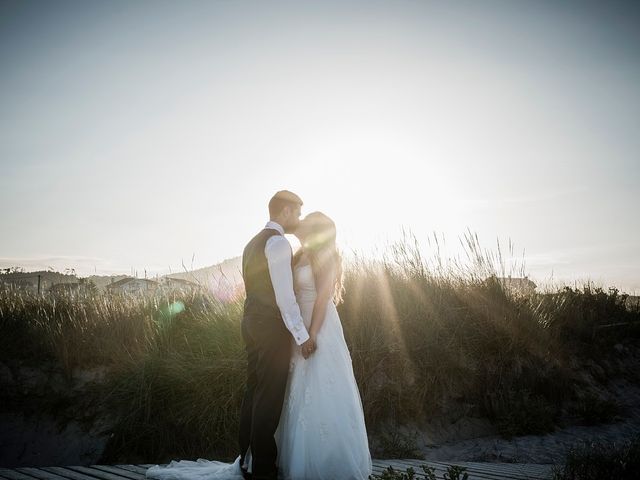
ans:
(518, 285)
(132, 285)
(178, 285)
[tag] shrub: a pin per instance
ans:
(598, 460)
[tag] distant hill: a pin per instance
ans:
(223, 279)
(29, 280)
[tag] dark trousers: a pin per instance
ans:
(268, 346)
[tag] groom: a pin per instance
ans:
(271, 317)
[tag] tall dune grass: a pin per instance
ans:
(424, 334)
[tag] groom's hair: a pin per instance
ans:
(282, 199)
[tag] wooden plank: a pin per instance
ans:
(520, 469)
(490, 471)
(38, 473)
(119, 471)
(68, 472)
(11, 474)
(503, 470)
(96, 473)
(133, 468)
(379, 471)
(476, 470)
(514, 470)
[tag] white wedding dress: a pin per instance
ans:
(321, 434)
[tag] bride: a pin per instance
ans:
(321, 434)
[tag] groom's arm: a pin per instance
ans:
(278, 253)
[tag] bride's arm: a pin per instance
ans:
(325, 285)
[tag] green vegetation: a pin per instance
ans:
(396, 444)
(422, 334)
(454, 472)
(595, 461)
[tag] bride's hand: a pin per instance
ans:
(308, 347)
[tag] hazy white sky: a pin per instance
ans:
(142, 134)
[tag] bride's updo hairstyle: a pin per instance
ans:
(320, 244)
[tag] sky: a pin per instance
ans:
(141, 136)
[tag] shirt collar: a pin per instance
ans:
(275, 226)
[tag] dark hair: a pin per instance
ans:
(283, 198)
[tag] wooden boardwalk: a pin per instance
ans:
(476, 471)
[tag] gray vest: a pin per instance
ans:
(261, 298)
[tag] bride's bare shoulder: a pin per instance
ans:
(301, 258)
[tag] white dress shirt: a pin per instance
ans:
(278, 253)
